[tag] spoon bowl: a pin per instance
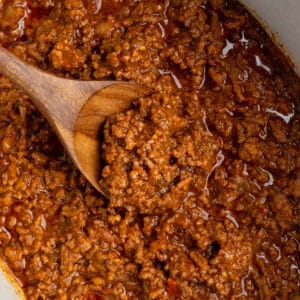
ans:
(75, 109)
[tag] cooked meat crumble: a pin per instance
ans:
(203, 174)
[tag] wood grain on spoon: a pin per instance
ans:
(75, 109)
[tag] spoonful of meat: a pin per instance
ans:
(75, 109)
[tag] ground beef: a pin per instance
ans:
(203, 174)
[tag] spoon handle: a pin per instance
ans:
(52, 95)
(20, 73)
(59, 99)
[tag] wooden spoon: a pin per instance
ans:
(75, 109)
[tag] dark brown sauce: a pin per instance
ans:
(37, 13)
